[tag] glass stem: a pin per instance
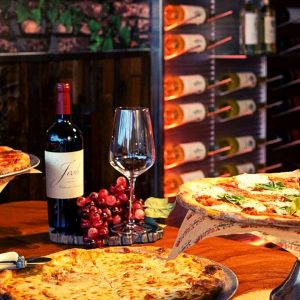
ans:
(131, 194)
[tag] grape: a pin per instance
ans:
(139, 214)
(121, 181)
(81, 201)
(110, 200)
(93, 196)
(93, 232)
(116, 220)
(102, 210)
(103, 193)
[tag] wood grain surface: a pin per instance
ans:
(23, 228)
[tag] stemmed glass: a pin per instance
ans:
(132, 152)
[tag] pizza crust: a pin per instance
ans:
(12, 160)
(187, 198)
(116, 273)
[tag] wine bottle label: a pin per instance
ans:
(251, 29)
(193, 84)
(194, 14)
(270, 34)
(246, 107)
(193, 151)
(246, 143)
(64, 174)
(194, 42)
(245, 168)
(247, 80)
(193, 112)
(192, 175)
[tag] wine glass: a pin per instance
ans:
(132, 152)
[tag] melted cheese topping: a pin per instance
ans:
(211, 190)
(249, 181)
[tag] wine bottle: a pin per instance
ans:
(237, 145)
(238, 81)
(284, 106)
(175, 115)
(175, 155)
(239, 108)
(249, 28)
(288, 15)
(178, 44)
(267, 28)
(64, 168)
(173, 181)
(184, 85)
(231, 169)
(176, 15)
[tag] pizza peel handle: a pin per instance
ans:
(8, 260)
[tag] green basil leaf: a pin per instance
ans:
(232, 198)
(273, 185)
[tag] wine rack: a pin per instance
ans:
(283, 121)
(212, 64)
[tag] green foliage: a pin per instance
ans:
(24, 12)
(158, 207)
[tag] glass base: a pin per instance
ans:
(131, 229)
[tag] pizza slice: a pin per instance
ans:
(270, 198)
(12, 160)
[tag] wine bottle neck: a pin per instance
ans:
(63, 103)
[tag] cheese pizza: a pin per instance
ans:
(115, 273)
(12, 160)
(270, 198)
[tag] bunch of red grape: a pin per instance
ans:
(102, 210)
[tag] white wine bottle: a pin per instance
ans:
(239, 108)
(178, 44)
(184, 85)
(267, 28)
(249, 29)
(178, 154)
(176, 115)
(231, 169)
(176, 15)
(237, 145)
(238, 81)
(172, 181)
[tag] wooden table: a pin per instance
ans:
(23, 228)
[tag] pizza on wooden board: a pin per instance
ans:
(115, 273)
(263, 199)
(12, 160)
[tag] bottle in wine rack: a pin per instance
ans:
(178, 44)
(249, 29)
(232, 169)
(238, 81)
(285, 106)
(178, 154)
(267, 28)
(288, 15)
(237, 145)
(287, 79)
(64, 168)
(184, 85)
(176, 115)
(172, 181)
(176, 15)
(179, 86)
(239, 108)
